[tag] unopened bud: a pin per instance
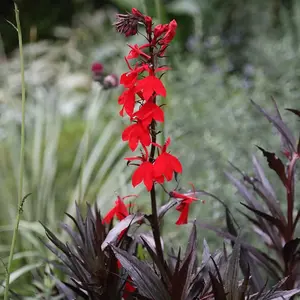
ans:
(110, 81)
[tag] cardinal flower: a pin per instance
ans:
(136, 133)
(148, 112)
(127, 99)
(169, 35)
(149, 85)
(145, 171)
(119, 210)
(136, 51)
(166, 164)
(183, 207)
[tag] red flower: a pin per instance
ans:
(168, 37)
(148, 112)
(127, 98)
(183, 206)
(166, 164)
(129, 78)
(159, 30)
(119, 210)
(150, 85)
(144, 172)
(136, 51)
(136, 133)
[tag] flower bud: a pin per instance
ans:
(110, 81)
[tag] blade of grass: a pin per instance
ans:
(20, 192)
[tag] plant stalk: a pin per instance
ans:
(290, 196)
(21, 171)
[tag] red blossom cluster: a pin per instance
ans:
(140, 103)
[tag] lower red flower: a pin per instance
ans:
(183, 207)
(119, 210)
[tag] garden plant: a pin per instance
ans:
(122, 254)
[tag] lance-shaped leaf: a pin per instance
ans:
(291, 251)
(275, 164)
(232, 272)
(148, 283)
(122, 225)
(280, 126)
(272, 220)
(295, 111)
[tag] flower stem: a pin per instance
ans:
(21, 171)
(155, 226)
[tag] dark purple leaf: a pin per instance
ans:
(148, 283)
(247, 195)
(245, 284)
(232, 272)
(280, 126)
(265, 190)
(272, 220)
(295, 111)
(275, 164)
(268, 263)
(290, 250)
(217, 288)
(163, 269)
(124, 224)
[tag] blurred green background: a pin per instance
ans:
(225, 53)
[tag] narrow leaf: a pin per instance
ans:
(148, 283)
(280, 126)
(114, 233)
(272, 220)
(295, 111)
(232, 272)
(275, 164)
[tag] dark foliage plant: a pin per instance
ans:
(265, 213)
(128, 260)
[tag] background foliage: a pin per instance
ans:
(224, 55)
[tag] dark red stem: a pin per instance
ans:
(154, 219)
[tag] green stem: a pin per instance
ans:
(20, 190)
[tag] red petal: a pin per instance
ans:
(183, 217)
(109, 216)
(175, 163)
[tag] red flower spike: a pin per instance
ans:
(136, 133)
(127, 98)
(150, 85)
(136, 51)
(148, 112)
(119, 210)
(166, 164)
